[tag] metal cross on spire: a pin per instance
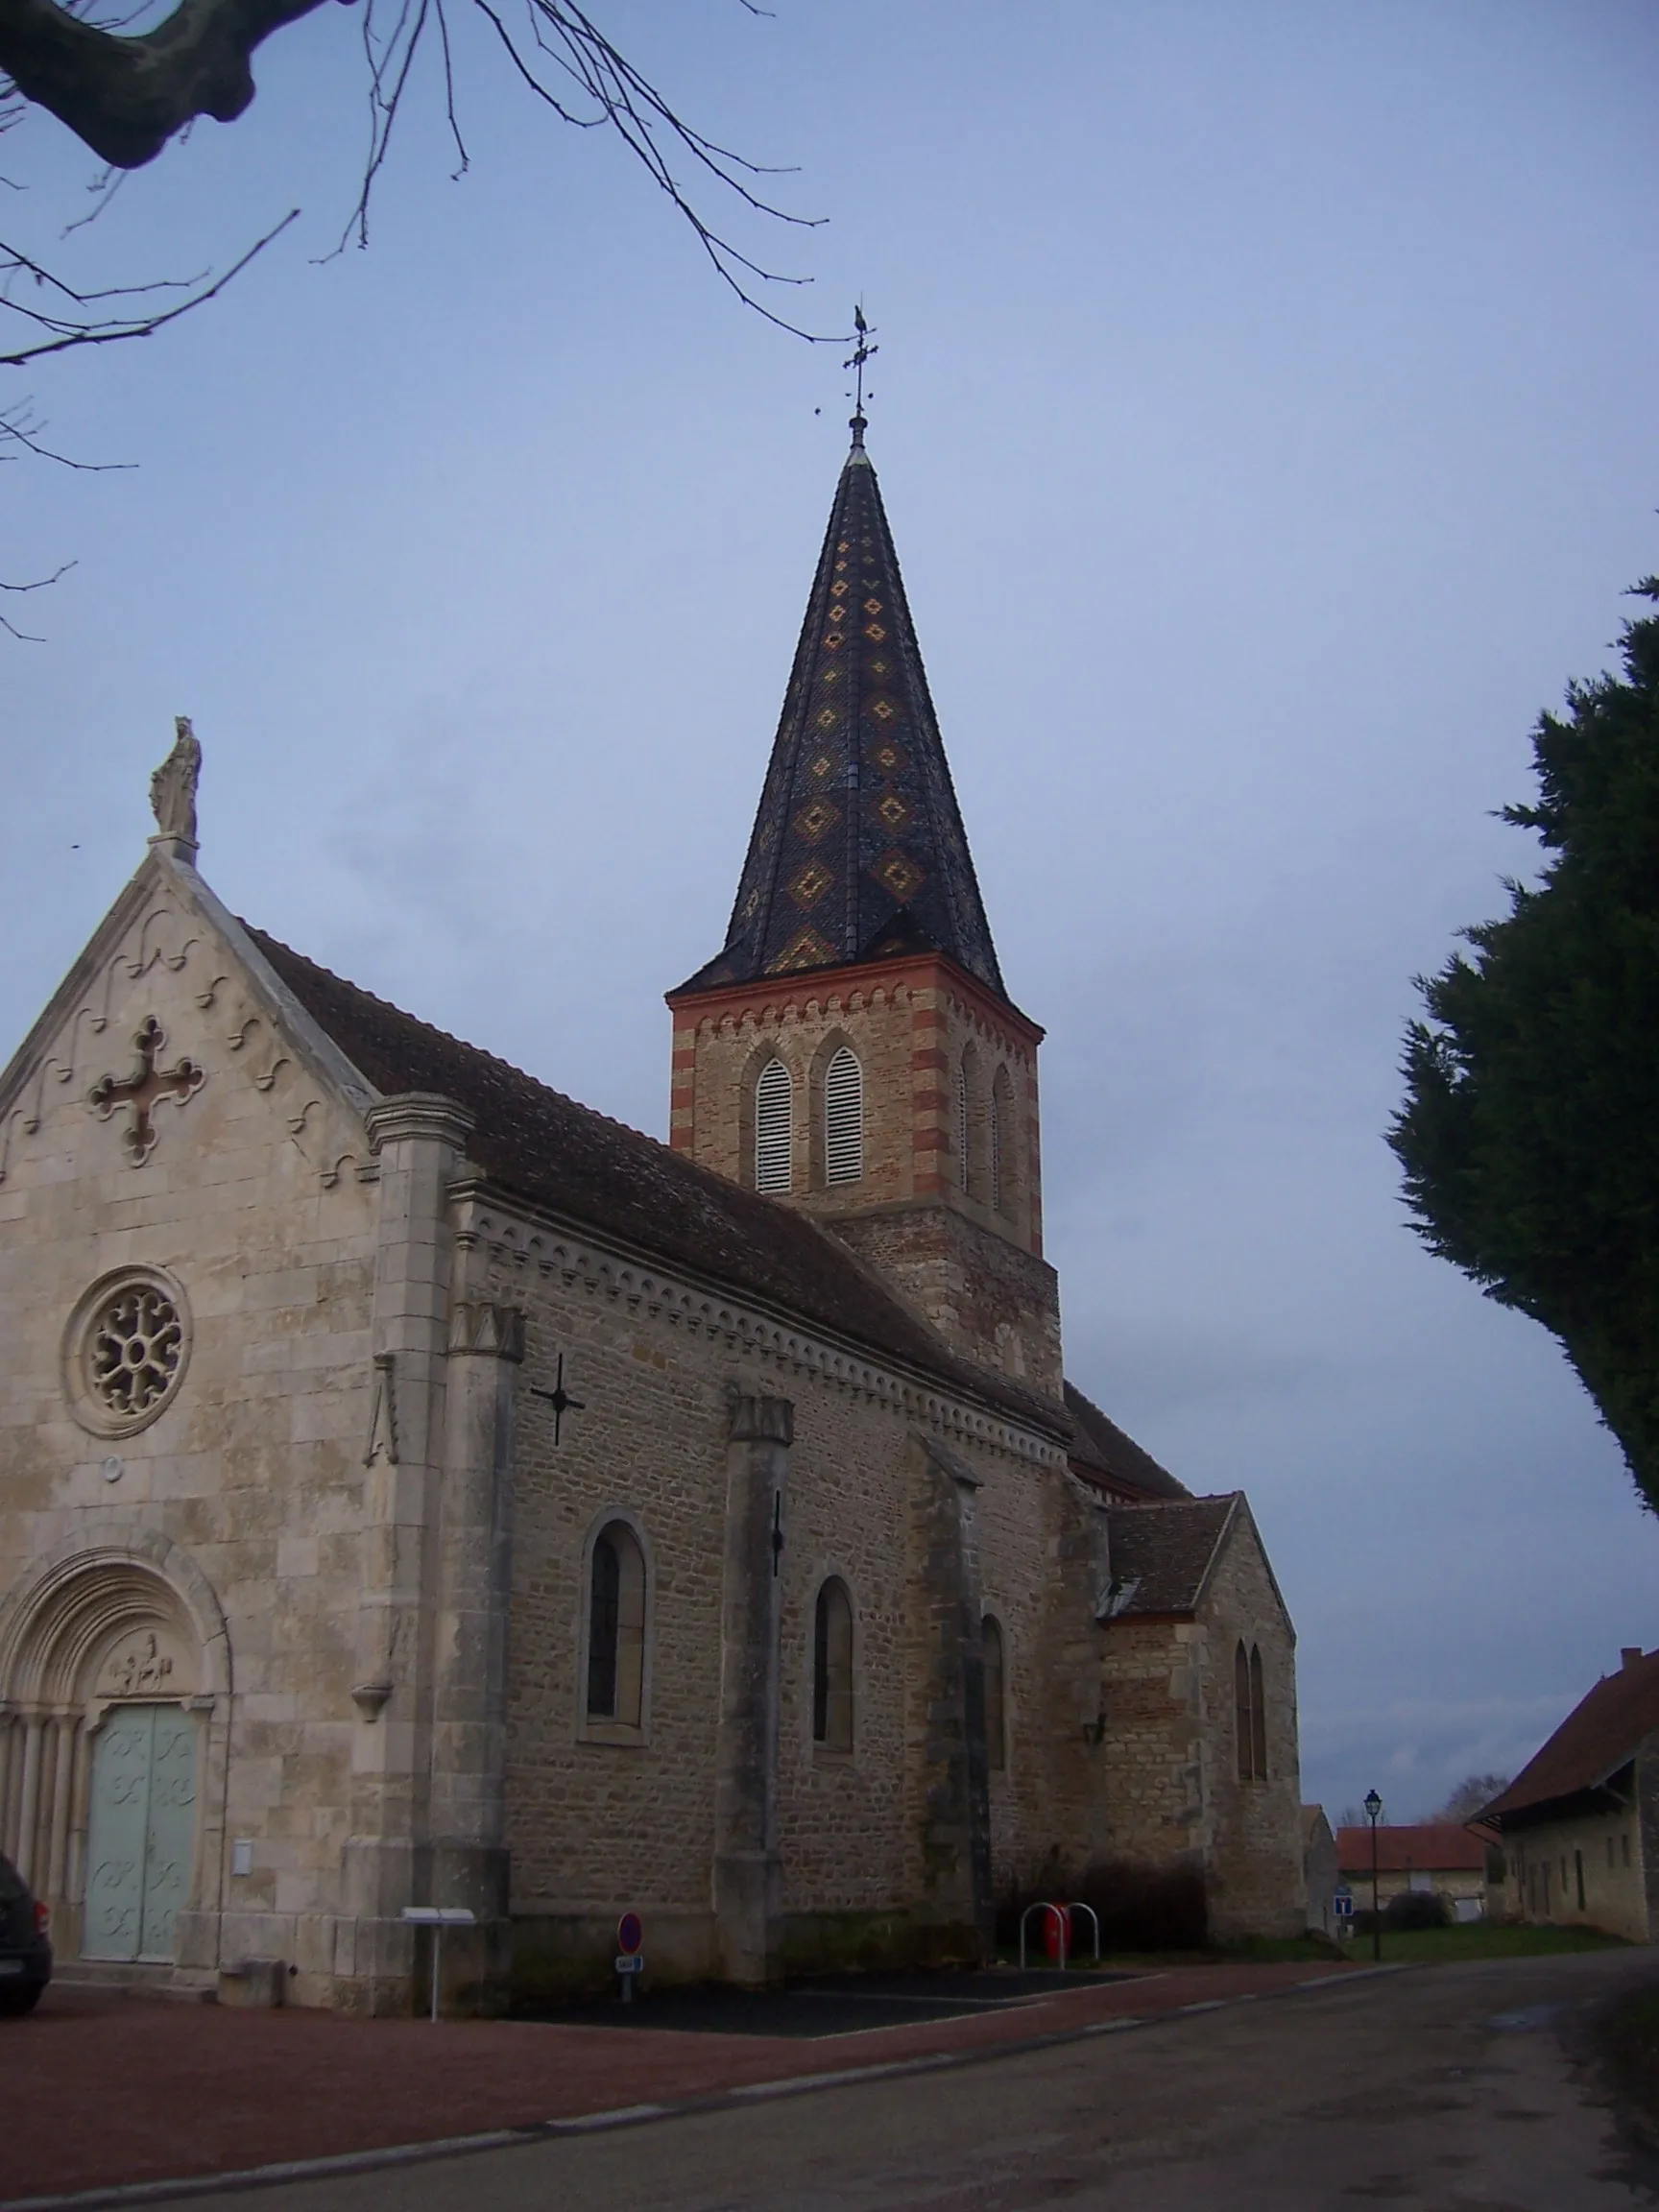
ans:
(857, 359)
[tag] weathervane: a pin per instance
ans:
(857, 359)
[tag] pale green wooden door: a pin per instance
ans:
(171, 1835)
(142, 1833)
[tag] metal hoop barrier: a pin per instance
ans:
(1061, 1924)
(1094, 1918)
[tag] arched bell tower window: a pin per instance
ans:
(964, 1121)
(843, 1119)
(1001, 1143)
(833, 1668)
(774, 1099)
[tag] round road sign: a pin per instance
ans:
(629, 1933)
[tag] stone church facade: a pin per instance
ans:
(418, 1489)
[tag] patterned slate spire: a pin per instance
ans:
(859, 848)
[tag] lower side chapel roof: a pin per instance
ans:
(577, 1164)
(1161, 1554)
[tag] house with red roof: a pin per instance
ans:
(1437, 1855)
(1578, 1827)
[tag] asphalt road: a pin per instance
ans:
(1438, 2088)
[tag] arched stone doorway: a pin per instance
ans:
(115, 1699)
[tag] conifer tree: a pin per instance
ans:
(1530, 1136)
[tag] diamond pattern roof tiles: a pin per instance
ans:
(859, 720)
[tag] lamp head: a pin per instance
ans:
(1373, 1806)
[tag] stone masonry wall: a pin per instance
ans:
(1253, 1828)
(909, 1021)
(600, 1819)
(256, 1203)
(1172, 1783)
(922, 1213)
(1541, 1865)
(987, 1298)
(1150, 1695)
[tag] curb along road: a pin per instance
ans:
(274, 2175)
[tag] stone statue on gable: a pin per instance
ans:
(173, 786)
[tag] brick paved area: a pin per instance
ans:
(98, 2088)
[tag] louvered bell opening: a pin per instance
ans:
(962, 1159)
(771, 1128)
(996, 1154)
(844, 1120)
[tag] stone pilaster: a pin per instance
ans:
(953, 1762)
(418, 1140)
(1073, 1664)
(748, 1873)
(469, 1801)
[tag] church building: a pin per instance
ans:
(418, 1490)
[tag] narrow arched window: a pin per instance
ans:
(1249, 1714)
(616, 1626)
(964, 1128)
(833, 1668)
(773, 1098)
(996, 1696)
(843, 1119)
(1243, 1726)
(1002, 1142)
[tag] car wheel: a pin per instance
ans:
(18, 1998)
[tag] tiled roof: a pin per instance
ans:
(586, 1169)
(1593, 1743)
(1101, 1447)
(1433, 1847)
(1165, 1550)
(858, 848)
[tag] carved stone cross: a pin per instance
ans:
(140, 1090)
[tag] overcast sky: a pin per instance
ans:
(1265, 412)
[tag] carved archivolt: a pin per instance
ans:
(104, 1622)
(86, 1631)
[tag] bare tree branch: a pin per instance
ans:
(19, 427)
(124, 95)
(67, 331)
(40, 584)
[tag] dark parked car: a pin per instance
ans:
(24, 1953)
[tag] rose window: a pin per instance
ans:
(134, 1348)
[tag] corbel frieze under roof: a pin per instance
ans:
(513, 1241)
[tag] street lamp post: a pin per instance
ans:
(1374, 1814)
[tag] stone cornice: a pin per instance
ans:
(512, 1233)
(766, 998)
(418, 1113)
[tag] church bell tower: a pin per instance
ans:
(851, 1048)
